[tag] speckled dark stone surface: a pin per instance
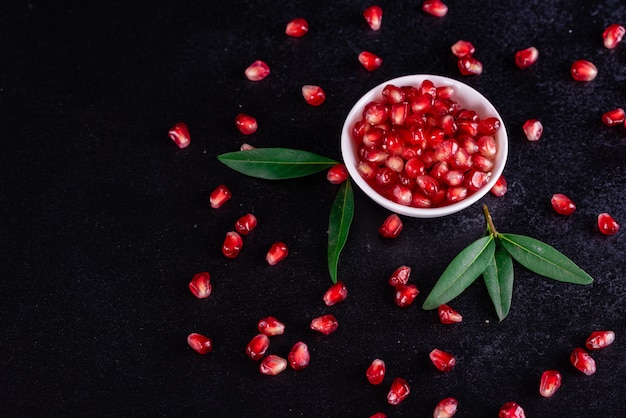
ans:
(103, 221)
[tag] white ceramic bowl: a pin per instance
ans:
(468, 98)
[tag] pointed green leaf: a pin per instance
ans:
(543, 259)
(498, 278)
(276, 163)
(461, 272)
(339, 222)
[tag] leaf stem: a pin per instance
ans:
(490, 225)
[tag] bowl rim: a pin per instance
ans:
(463, 93)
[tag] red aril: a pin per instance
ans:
(337, 174)
(376, 372)
(613, 35)
(220, 195)
(435, 8)
(442, 360)
(532, 129)
(273, 365)
(402, 195)
(550, 383)
(463, 49)
(398, 391)
(446, 408)
(246, 224)
(370, 61)
(583, 361)
(526, 57)
(456, 194)
(400, 276)
(335, 294)
(447, 315)
(232, 244)
(392, 226)
(179, 133)
(562, 204)
(246, 147)
(200, 285)
(271, 326)
(511, 410)
(583, 70)
(405, 294)
(202, 344)
(373, 16)
(314, 95)
(325, 324)
(614, 117)
(489, 126)
(487, 146)
(378, 415)
(476, 180)
(277, 252)
(257, 346)
(468, 65)
(246, 124)
(297, 27)
(299, 356)
(500, 188)
(257, 71)
(607, 225)
(600, 339)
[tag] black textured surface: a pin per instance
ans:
(103, 221)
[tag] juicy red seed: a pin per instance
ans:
(398, 113)
(533, 129)
(445, 149)
(583, 70)
(246, 147)
(435, 8)
(489, 126)
(200, 343)
(246, 224)
(463, 49)
(613, 35)
(562, 204)
(297, 27)
(392, 226)
(550, 383)
(442, 360)
(200, 285)
(375, 113)
(232, 244)
(276, 253)
(179, 133)
(246, 124)
(373, 16)
(257, 71)
(600, 339)
(476, 180)
(446, 408)
(273, 365)
(614, 117)
(447, 315)
(367, 170)
(314, 95)
(393, 94)
(414, 167)
(405, 295)
(271, 326)
(511, 410)
(398, 391)
(500, 188)
(376, 372)
(335, 294)
(428, 185)
(469, 65)
(370, 61)
(402, 195)
(526, 57)
(445, 92)
(607, 225)
(299, 356)
(220, 195)
(395, 163)
(257, 346)
(337, 174)
(583, 361)
(326, 324)
(400, 276)
(379, 415)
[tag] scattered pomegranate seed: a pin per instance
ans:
(246, 224)
(378, 415)
(607, 225)
(500, 188)
(257, 346)
(469, 65)
(257, 71)
(220, 195)
(550, 383)
(232, 244)
(613, 35)
(314, 95)
(511, 410)
(273, 365)
(463, 49)
(337, 174)
(392, 226)
(400, 276)
(376, 372)
(179, 133)
(526, 57)
(335, 294)
(435, 8)
(297, 27)
(299, 356)
(447, 315)
(446, 408)
(200, 343)
(600, 339)
(246, 147)
(562, 204)
(246, 124)
(370, 61)
(583, 361)
(614, 117)
(373, 16)
(405, 295)
(583, 70)
(276, 253)
(398, 392)
(533, 129)
(200, 285)
(271, 326)
(443, 361)
(326, 324)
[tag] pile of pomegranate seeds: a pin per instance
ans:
(373, 16)
(297, 27)
(257, 71)
(179, 133)
(583, 70)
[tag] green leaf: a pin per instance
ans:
(339, 222)
(276, 163)
(498, 278)
(461, 272)
(543, 259)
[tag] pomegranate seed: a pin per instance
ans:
(455, 194)
(393, 94)
(398, 392)
(476, 179)
(220, 195)
(376, 372)
(299, 356)
(200, 343)
(469, 65)
(297, 27)
(273, 365)
(613, 35)
(392, 226)
(373, 16)
(447, 315)
(446, 408)
(562, 204)
(511, 410)
(533, 129)
(443, 361)
(550, 383)
(402, 195)
(200, 285)
(583, 70)
(337, 174)
(500, 188)
(276, 253)
(400, 276)
(614, 117)
(246, 124)
(405, 295)
(257, 71)
(463, 49)
(583, 361)
(607, 225)
(257, 346)
(246, 224)
(600, 339)
(314, 95)
(335, 294)
(526, 57)
(232, 244)
(179, 133)
(270, 326)
(326, 324)
(246, 147)
(435, 8)
(378, 415)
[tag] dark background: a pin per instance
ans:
(103, 220)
